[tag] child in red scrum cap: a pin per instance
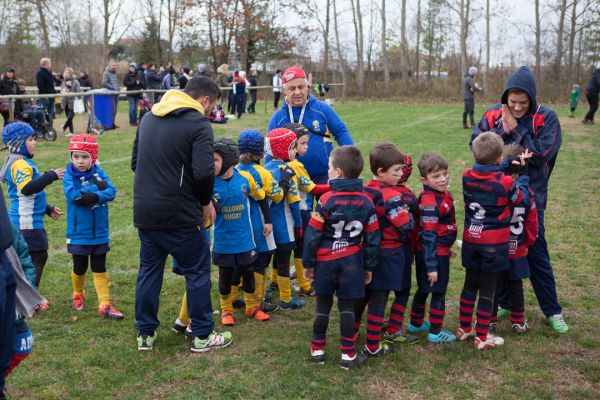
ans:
(280, 144)
(88, 190)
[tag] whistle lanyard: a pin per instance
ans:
(292, 114)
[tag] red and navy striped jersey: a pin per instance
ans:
(437, 225)
(344, 222)
(523, 225)
(488, 194)
(395, 222)
(410, 200)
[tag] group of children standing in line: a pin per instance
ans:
(358, 243)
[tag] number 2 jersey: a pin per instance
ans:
(344, 223)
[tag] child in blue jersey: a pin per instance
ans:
(341, 246)
(27, 199)
(307, 189)
(287, 223)
(234, 241)
(88, 190)
(251, 145)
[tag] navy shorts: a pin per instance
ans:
(391, 272)
(234, 260)
(443, 271)
(518, 268)
(88, 249)
(488, 258)
(344, 277)
(36, 239)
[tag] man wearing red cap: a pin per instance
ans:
(320, 119)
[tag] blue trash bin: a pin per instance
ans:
(103, 107)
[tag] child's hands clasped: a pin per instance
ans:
(432, 277)
(309, 274)
(509, 122)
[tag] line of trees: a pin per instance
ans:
(417, 48)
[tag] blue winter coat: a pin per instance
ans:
(87, 225)
(323, 123)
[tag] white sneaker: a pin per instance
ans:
(491, 342)
(318, 356)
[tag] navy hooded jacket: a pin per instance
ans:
(538, 130)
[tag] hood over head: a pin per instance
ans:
(522, 79)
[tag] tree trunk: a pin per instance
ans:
(559, 48)
(341, 64)
(358, 31)
(465, 8)
(384, 54)
(418, 44)
(41, 5)
(326, 41)
(403, 44)
(538, 43)
(487, 48)
(572, 35)
(105, 34)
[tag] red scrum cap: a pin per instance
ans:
(292, 73)
(86, 143)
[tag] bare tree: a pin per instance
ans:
(384, 52)
(111, 11)
(487, 47)
(562, 10)
(340, 61)
(403, 43)
(538, 42)
(358, 32)
(418, 43)
(41, 9)
(463, 10)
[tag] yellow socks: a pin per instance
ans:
(78, 283)
(259, 285)
(235, 293)
(101, 284)
(303, 283)
(285, 291)
(184, 317)
(273, 274)
(226, 304)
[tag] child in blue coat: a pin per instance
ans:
(88, 190)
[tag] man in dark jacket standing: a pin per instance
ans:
(45, 84)
(519, 119)
(173, 160)
(8, 288)
(469, 87)
(591, 92)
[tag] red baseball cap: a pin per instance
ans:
(292, 73)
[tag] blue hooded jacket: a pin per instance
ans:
(323, 123)
(538, 130)
(87, 225)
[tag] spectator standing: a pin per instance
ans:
(69, 85)
(110, 81)
(184, 77)
(132, 82)
(469, 87)
(253, 84)
(85, 82)
(277, 86)
(592, 90)
(8, 85)
(45, 84)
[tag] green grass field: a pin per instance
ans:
(78, 355)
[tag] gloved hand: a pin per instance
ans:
(286, 176)
(87, 199)
(100, 184)
(297, 232)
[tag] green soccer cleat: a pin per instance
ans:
(400, 338)
(146, 342)
(213, 341)
(503, 313)
(558, 323)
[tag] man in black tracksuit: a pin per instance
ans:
(173, 160)
(592, 90)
